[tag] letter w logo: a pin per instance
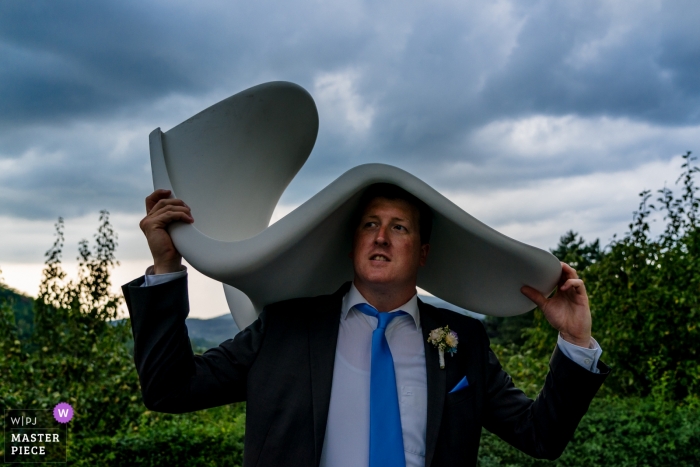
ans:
(63, 413)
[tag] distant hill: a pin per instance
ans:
(207, 333)
(204, 333)
(22, 306)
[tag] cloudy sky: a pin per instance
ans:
(535, 116)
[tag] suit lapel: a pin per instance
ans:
(436, 382)
(323, 337)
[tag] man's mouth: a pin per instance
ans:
(379, 258)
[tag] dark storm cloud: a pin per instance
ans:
(68, 59)
(73, 170)
(577, 58)
(72, 59)
(568, 58)
(424, 87)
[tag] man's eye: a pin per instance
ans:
(400, 227)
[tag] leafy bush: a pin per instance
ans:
(627, 432)
(645, 299)
(80, 354)
(74, 353)
(207, 438)
(22, 307)
(526, 367)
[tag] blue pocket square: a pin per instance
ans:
(463, 384)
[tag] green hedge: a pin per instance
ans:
(169, 448)
(207, 438)
(615, 432)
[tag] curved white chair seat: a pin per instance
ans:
(231, 163)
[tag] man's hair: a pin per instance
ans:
(393, 192)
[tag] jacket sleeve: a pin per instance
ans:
(173, 379)
(541, 428)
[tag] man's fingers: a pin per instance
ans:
(534, 295)
(577, 284)
(160, 210)
(173, 216)
(167, 202)
(154, 197)
(568, 271)
(167, 215)
(160, 204)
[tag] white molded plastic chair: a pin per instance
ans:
(231, 163)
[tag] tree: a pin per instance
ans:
(645, 298)
(573, 250)
(77, 352)
(22, 307)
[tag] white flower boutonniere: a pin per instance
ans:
(444, 340)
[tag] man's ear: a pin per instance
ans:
(424, 250)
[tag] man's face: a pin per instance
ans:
(386, 248)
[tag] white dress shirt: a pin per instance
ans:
(346, 443)
(347, 431)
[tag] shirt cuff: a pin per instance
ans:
(151, 279)
(585, 357)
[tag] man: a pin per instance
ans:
(305, 367)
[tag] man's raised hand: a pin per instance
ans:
(160, 212)
(568, 310)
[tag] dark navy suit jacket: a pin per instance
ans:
(282, 365)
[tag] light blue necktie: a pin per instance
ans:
(385, 434)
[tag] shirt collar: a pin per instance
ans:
(354, 297)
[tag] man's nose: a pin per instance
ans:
(381, 238)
